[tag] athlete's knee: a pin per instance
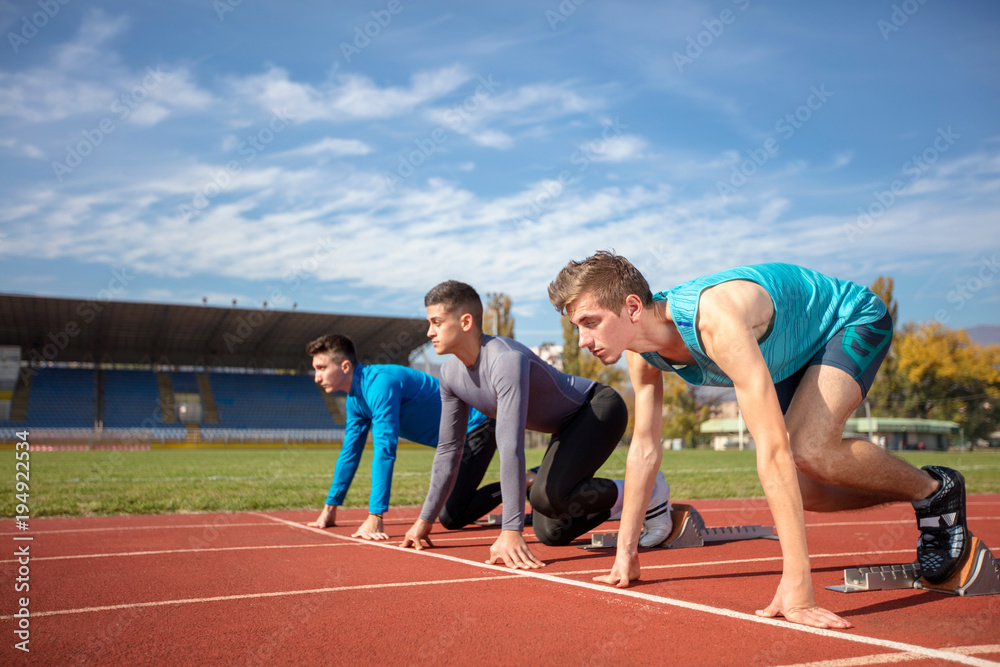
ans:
(448, 522)
(545, 498)
(551, 533)
(539, 499)
(813, 458)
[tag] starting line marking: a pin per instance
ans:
(180, 551)
(881, 523)
(247, 596)
(884, 658)
(740, 561)
(692, 606)
(216, 526)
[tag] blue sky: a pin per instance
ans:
(348, 156)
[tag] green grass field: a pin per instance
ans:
(158, 481)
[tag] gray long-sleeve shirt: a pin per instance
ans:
(512, 384)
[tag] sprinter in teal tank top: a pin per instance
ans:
(801, 350)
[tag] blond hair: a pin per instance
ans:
(607, 277)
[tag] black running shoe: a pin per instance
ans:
(944, 539)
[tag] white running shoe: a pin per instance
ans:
(659, 520)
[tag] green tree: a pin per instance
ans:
(497, 318)
(686, 407)
(571, 348)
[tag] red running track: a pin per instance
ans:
(262, 589)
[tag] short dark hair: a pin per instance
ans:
(335, 345)
(458, 298)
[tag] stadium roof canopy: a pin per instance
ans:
(117, 332)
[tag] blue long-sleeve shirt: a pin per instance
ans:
(390, 401)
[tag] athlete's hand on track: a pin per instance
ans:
(511, 548)
(419, 531)
(623, 572)
(371, 529)
(327, 518)
(797, 604)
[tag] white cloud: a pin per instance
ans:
(492, 139)
(18, 147)
(522, 112)
(621, 148)
(332, 146)
(346, 96)
(86, 76)
(842, 159)
(269, 222)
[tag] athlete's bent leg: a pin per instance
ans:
(838, 473)
(566, 499)
(467, 501)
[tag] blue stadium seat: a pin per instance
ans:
(62, 398)
(269, 402)
(131, 400)
(259, 406)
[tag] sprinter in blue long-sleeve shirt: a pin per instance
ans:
(394, 401)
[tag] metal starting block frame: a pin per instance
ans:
(690, 531)
(490, 520)
(979, 575)
(497, 519)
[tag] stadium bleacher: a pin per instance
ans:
(131, 399)
(62, 398)
(251, 407)
(268, 401)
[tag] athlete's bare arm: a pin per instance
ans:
(731, 318)
(644, 456)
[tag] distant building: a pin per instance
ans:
(893, 433)
(550, 353)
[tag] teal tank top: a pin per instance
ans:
(809, 309)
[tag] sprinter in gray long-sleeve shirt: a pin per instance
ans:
(505, 380)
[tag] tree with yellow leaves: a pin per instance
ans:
(888, 389)
(947, 376)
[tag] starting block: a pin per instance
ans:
(497, 519)
(490, 520)
(689, 530)
(979, 575)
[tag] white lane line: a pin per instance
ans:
(109, 529)
(972, 520)
(390, 522)
(178, 551)
(741, 561)
(760, 504)
(216, 526)
(692, 606)
(887, 658)
(249, 596)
